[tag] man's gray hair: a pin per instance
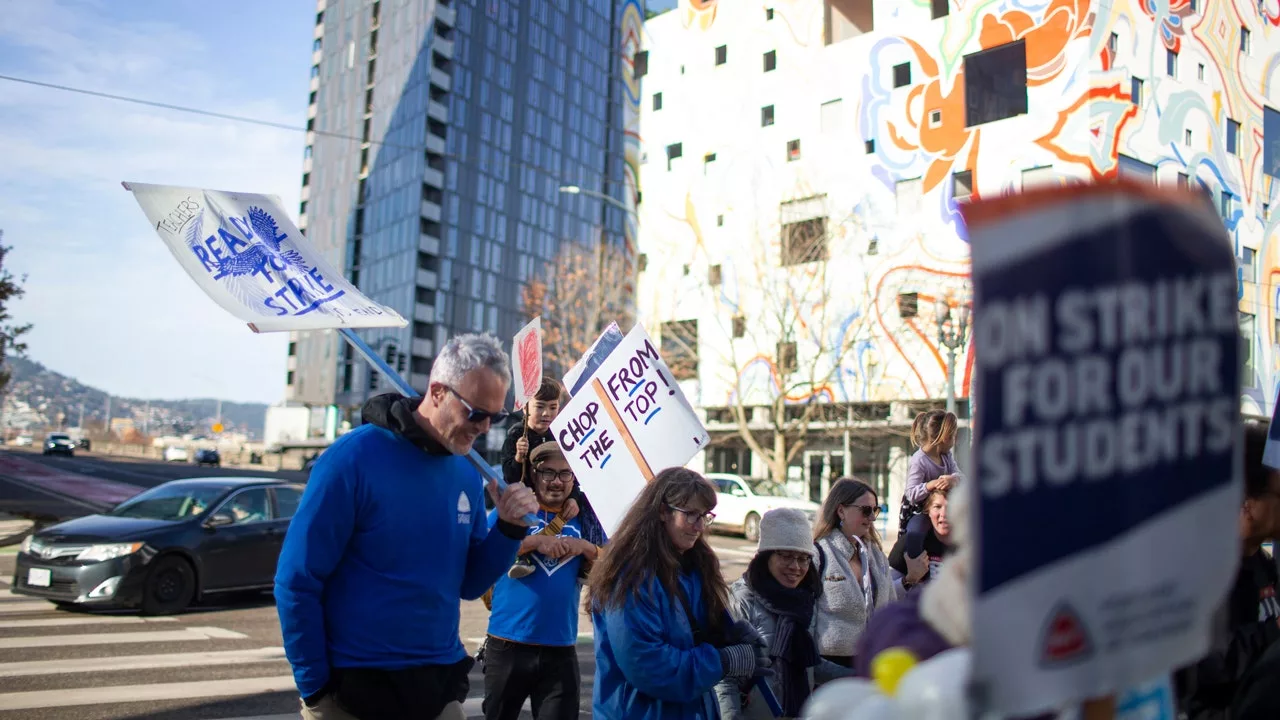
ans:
(464, 353)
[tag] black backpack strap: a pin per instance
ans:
(822, 560)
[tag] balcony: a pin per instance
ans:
(428, 245)
(306, 193)
(306, 165)
(441, 79)
(435, 144)
(442, 46)
(422, 313)
(446, 15)
(315, 83)
(315, 57)
(438, 111)
(292, 363)
(433, 177)
(426, 279)
(431, 211)
(311, 111)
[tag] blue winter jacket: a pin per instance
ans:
(647, 666)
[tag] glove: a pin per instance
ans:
(742, 632)
(739, 661)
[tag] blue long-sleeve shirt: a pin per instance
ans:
(385, 543)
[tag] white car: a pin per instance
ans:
(741, 501)
(176, 453)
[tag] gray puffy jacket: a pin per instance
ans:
(744, 604)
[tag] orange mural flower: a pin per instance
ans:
(1064, 21)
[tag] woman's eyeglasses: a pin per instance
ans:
(868, 511)
(479, 416)
(800, 560)
(694, 517)
(546, 476)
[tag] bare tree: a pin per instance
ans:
(788, 304)
(11, 288)
(581, 292)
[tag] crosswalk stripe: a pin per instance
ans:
(184, 635)
(140, 662)
(74, 697)
(85, 620)
(7, 608)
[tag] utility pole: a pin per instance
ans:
(106, 424)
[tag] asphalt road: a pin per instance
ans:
(211, 663)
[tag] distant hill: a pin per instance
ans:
(38, 397)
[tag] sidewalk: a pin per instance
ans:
(13, 529)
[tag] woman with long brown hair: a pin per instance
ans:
(658, 604)
(855, 572)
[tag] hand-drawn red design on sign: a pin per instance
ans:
(530, 359)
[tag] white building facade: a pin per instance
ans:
(803, 161)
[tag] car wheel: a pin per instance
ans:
(170, 586)
(751, 527)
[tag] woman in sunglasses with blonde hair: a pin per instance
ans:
(856, 580)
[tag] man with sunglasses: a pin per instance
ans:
(531, 653)
(390, 536)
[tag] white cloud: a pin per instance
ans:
(110, 305)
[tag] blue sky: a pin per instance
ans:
(110, 305)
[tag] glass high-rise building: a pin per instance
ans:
(439, 135)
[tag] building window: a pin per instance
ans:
(643, 262)
(786, 357)
(1248, 328)
(714, 276)
(831, 116)
(293, 349)
(1247, 263)
(770, 60)
(995, 83)
(680, 348)
(869, 146)
(766, 116)
(1200, 72)
(1113, 43)
(1187, 136)
(706, 162)
(768, 14)
(908, 305)
(657, 101)
(674, 151)
(1135, 91)
(940, 8)
(1171, 63)
(1233, 137)
(722, 54)
(719, 221)
(962, 185)
(1228, 205)
(306, 179)
(1183, 180)
(640, 64)
(315, 71)
(793, 150)
(1135, 169)
(1244, 40)
(288, 378)
(740, 326)
(1195, 6)
(1271, 142)
(804, 231)
(902, 75)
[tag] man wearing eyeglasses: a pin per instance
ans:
(390, 536)
(531, 651)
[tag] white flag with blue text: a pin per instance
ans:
(246, 254)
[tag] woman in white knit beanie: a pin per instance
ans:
(777, 595)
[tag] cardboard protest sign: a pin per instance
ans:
(1107, 461)
(526, 362)
(629, 422)
(591, 359)
(248, 256)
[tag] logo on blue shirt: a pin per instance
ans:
(551, 565)
(464, 509)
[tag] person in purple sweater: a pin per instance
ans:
(932, 467)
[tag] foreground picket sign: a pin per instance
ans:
(248, 256)
(628, 422)
(1108, 345)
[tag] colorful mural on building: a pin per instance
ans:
(759, 122)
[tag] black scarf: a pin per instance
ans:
(793, 649)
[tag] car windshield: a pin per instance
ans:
(770, 489)
(59, 437)
(169, 502)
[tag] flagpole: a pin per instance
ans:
(404, 388)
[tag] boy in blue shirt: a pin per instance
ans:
(531, 651)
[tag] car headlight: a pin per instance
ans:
(98, 553)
